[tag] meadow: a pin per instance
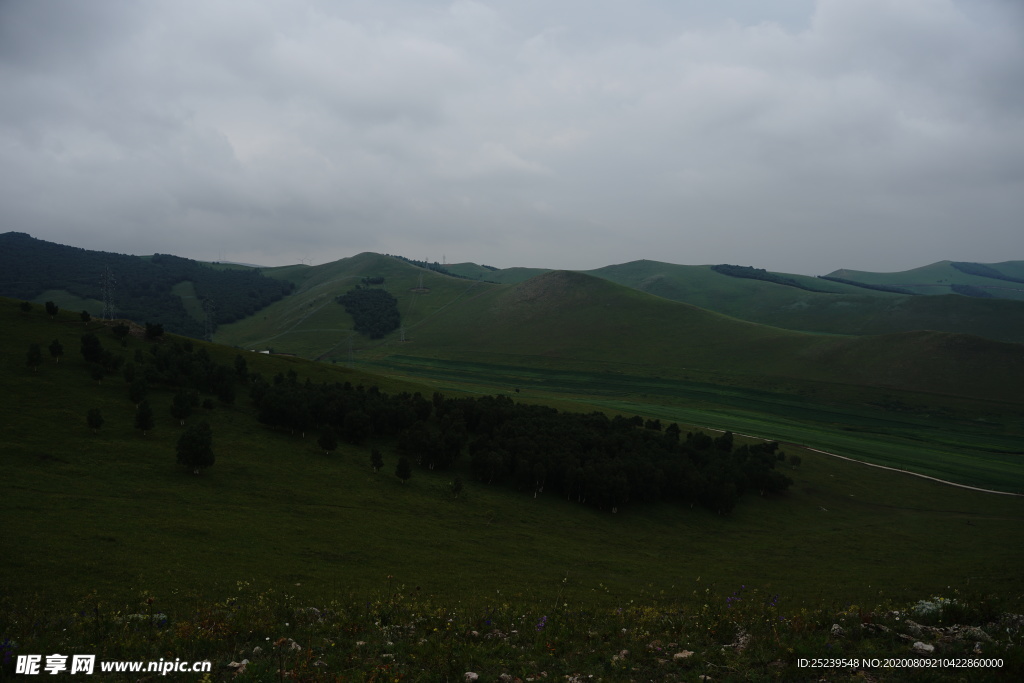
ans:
(97, 523)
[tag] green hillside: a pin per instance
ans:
(276, 510)
(279, 540)
(160, 289)
(837, 308)
(310, 323)
(505, 276)
(940, 278)
(575, 319)
(846, 310)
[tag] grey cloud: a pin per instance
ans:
(792, 135)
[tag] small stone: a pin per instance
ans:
(923, 648)
(471, 677)
(838, 631)
(685, 654)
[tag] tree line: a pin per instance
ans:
(588, 458)
(751, 273)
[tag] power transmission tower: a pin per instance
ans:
(107, 282)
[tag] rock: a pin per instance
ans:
(974, 633)
(923, 648)
(914, 628)
(837, 631)
(685, 654)
(470, 677)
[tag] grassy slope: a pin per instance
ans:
(937, 278)
(110, 512)
(311, 324)
(565, 319)
(847, 310)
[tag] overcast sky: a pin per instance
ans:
(793, 135)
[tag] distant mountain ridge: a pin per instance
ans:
(183, 295)
(981, 299)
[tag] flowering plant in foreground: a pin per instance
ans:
(397, 636)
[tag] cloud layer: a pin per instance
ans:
(792, 135)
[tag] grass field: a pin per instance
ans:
(108, 519)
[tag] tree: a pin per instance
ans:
(195, 447)
(94, 419)
(356, 426)
(154, 331)
(92, 350)
(120, 331)
(403, 470)
(144, 417)
(25, 306)
(84, 315)
(376, 460)
(328, 440)
(34, 357)
(181, 407)
(137, 390)
(51, 308)
(56, 349)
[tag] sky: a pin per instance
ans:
(799, 136)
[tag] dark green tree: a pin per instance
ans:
(137, 390)
(92, 350)
(51, 308)
(34, 357)
(25, 306)
(84, 315)
(154, 331)
(144, 417)
(120, 331)
(328, 440)
(94, 419)
(97, 373)
(356, 426)
(403, 470)
(56, 349)
(376, 460)
(181, 407)
(195, 447)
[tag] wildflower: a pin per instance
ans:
(542, 623)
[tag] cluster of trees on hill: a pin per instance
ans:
(752, 273)
(590, 459)
(142, 287)
(374, 311)
(864, 285)
(982, 270)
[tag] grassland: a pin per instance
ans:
(102, 521)
(276, 509)
(939, 277)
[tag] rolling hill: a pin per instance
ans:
(835, 308)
